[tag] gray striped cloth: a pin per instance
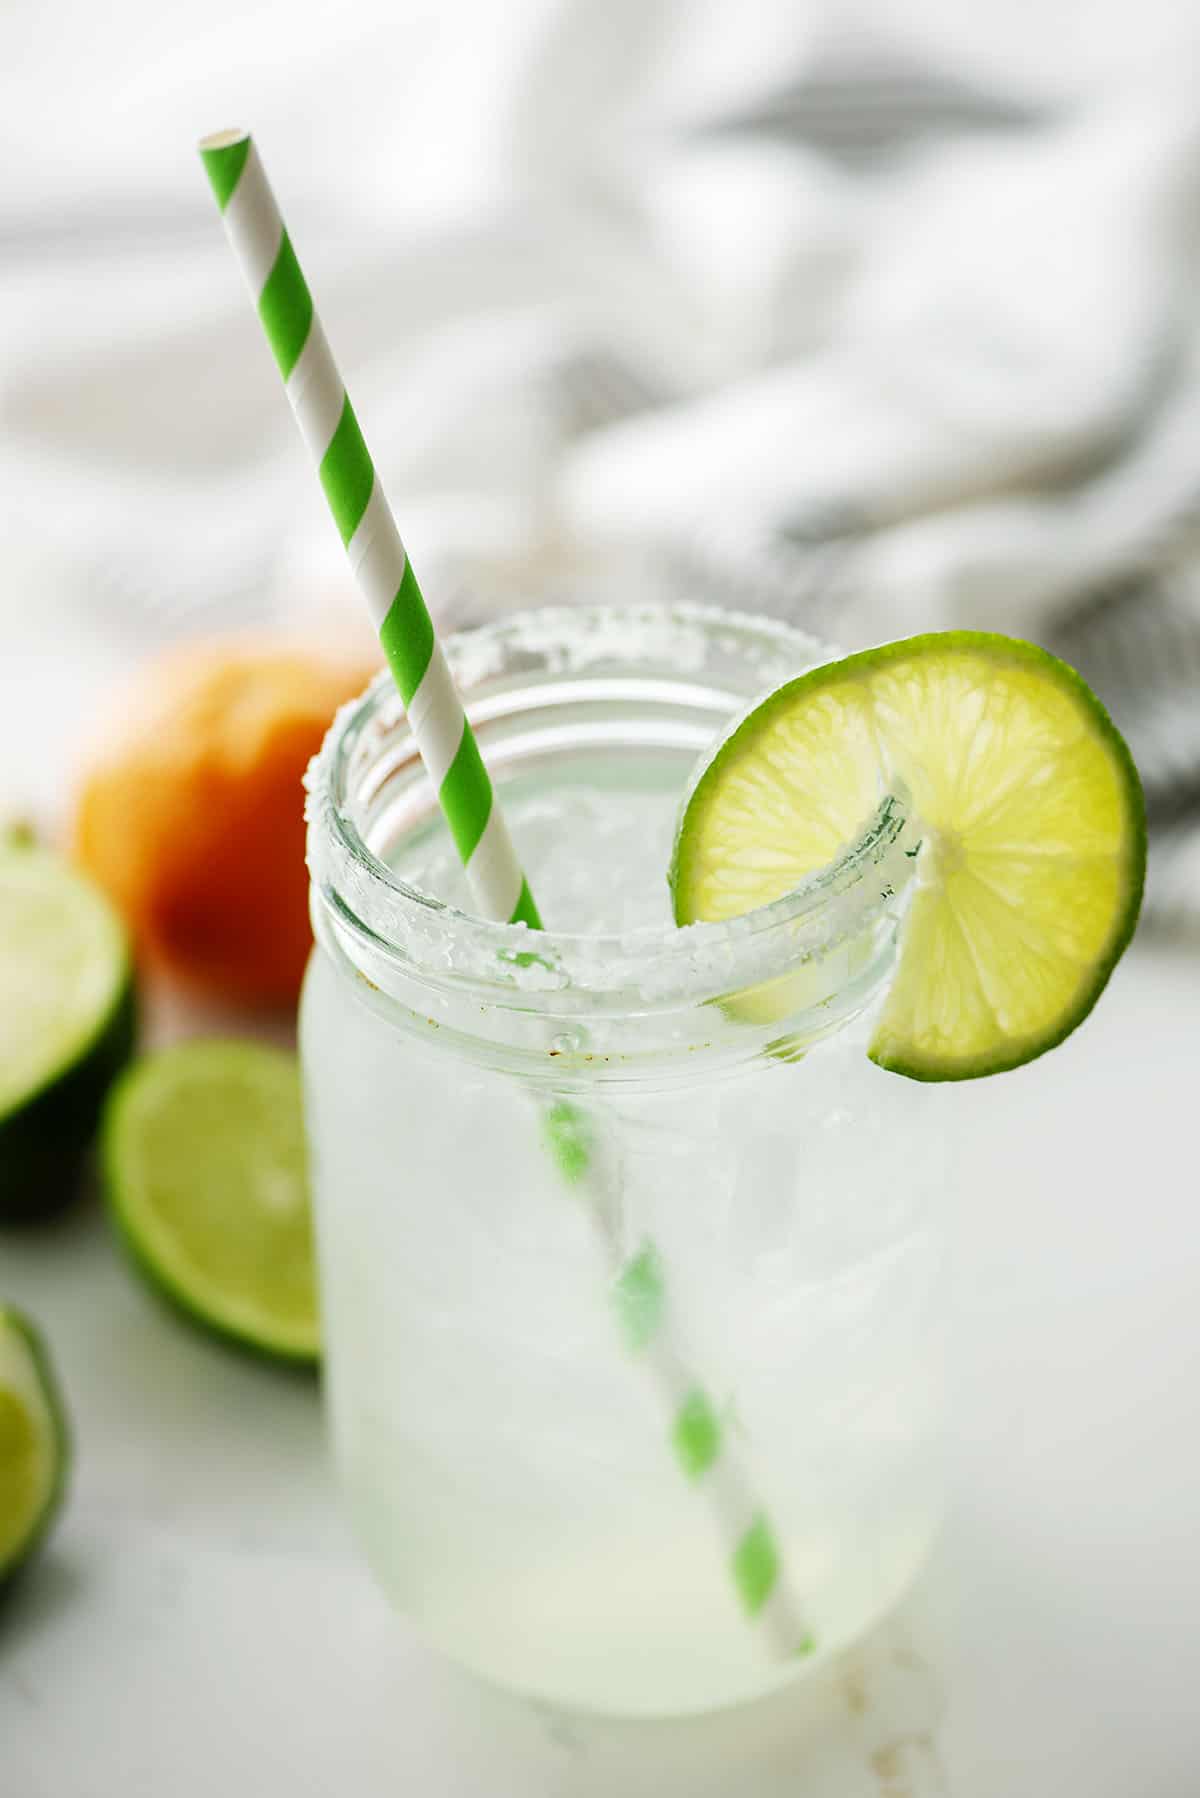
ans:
(1096, 554)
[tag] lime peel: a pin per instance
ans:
(34, 1445)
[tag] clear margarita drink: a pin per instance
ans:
(521, 1138)
(504, 1454)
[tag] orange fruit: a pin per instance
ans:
(191, 815)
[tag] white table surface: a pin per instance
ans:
(201, 1624)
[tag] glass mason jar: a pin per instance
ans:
(629, 1255)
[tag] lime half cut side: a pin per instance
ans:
(66, 1025)
(205, 1173)
(34, 1452)
(1030, 818)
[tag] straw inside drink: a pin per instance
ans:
(451, 756)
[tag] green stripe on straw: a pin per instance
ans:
(346, 474)
(697, 1435)
(756, 1565)
(285, 308)
(525, 911)
(407, 636)
(466, 797)
(640, 1295)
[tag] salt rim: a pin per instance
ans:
(645, 968)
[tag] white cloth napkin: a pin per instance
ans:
(879, 320)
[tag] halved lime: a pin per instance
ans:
(204, 1167)
(1029, 811)
(34, 1452)
(66, 1024)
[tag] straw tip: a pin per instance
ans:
(223, 140)
(225, 155)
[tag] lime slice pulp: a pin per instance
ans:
(34, 1454)
(66, 1025)
(1032, 827)
(204, 1170)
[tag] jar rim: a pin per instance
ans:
(645, 968)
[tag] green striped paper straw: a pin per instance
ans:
(368, 530)
(451, 756)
